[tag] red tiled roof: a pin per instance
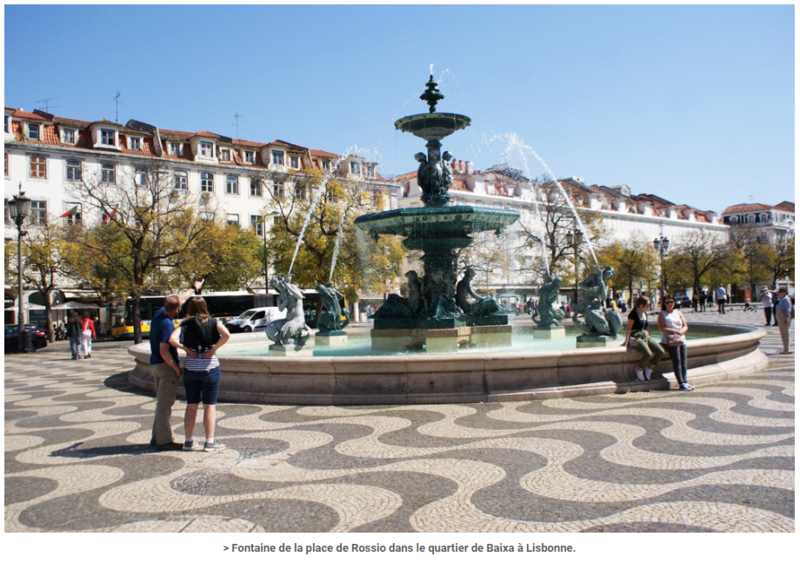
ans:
(740, 208)
(786, 206)
(175, 134)
(206, 134)
(323, 153)
(29, 116)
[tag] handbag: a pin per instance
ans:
(676, 340)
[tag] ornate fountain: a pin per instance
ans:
(430, 317)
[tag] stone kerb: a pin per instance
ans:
(467, 377)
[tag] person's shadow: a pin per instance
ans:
(77, 451)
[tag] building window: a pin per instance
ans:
(225, 154)
(249, 157)
(206, 149)
(175, 149)
(73, 170)
(33, 132)
(300, 192)
(207, 216)
(180, 181)
(326, 165)
(295, 161)
(257, 223)
(38, 167)
(5, 164)
(140, 177)
(135, 143)
(38, 212)
(206, 182)
(255, 188)
(68, 136)
(108, 174)
(7, 124)
(74, 213)
(277, 190)
(277, 157)
(355, 167)
(108, 137)
(371, 170)
(231, 185)
(232, 219)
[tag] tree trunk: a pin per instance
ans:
(137, 320)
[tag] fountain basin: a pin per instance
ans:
(432, 126)
(468, 377)
(432, 222)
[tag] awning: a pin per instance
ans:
(73, 306)
(27, 307)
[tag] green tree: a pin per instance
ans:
(228, 257)
(781, 260)
(147, 227)
(631, 261)
(700, 258)
(309, 214)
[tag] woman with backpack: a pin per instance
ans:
(200, 336)
(87, 334)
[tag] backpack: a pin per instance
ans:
(199, 337)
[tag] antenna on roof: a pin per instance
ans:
(119, 102)
(751, 198)
(237, 115)
(46, 103)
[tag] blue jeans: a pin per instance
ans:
(205, 383)
(678, 356)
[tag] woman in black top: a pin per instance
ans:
(638, 337)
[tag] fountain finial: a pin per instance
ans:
(431, 95)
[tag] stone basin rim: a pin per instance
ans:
(467, 378)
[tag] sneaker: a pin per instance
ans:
(639, 374)
(648, 372)
(190, 445)
(216, 446)
(687, 387)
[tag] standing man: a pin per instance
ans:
(722, 297)
(165, 365)
(783, 314)
(766, 304)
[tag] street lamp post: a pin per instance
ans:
(661, 244)
(18, 208)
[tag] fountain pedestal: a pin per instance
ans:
(587, 341)
(332, 338)
(291, 350)
(549, 333)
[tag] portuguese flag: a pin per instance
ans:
(70, 212)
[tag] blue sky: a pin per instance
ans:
(692, 103)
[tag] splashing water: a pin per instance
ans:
(336, 245)
(515, 143)
(314, 199)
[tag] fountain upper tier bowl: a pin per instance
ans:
(443, 221)
(432, 126)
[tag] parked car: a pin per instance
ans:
(254, 319)
(38, 337)
(683, 302)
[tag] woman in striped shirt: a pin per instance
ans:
(200, 336)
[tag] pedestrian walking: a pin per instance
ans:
(638, 336)
(775, 300)
(673, 337)
(74, 334)
(87, 334)
(783, 314)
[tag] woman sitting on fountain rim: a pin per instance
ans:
(673, 328)
(637, 336)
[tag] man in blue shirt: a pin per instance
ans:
(783, 315)
(165, 365)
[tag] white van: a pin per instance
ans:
(254, 319)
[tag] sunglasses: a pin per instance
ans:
(669, 302)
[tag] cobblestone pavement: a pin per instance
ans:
(720, 458)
